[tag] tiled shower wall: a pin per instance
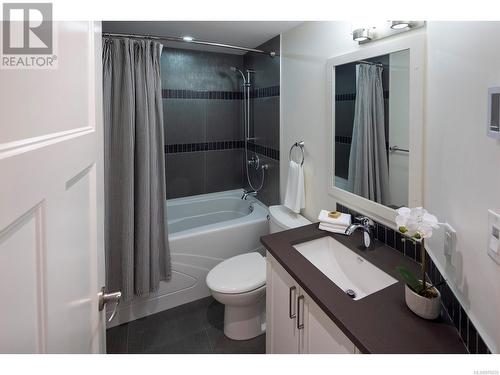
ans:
(202, 121)
(265, 118)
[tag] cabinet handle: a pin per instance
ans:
(290, 301)
(300, 325)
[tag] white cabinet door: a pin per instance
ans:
(281, 295)
(51, 200)
(321, 335)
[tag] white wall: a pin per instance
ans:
(462, 166)
(462, 172)
(304, 52)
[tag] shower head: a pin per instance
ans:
(236, 69)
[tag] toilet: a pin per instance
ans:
(239, 283)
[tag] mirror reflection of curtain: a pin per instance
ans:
(368, 168)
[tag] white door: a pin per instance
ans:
(51, 200)
(282, 335)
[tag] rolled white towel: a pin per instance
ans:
(332, 228)
(343, 219)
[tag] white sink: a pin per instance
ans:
(344, 267)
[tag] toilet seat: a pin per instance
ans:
(240, 274)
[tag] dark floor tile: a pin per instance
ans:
(194, 343)
(214, 314)
(220, 344)
(116, 339)
(167, 326)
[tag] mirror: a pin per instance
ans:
(372, 122)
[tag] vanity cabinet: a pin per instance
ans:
(295, 323)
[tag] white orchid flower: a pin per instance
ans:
(416, 222)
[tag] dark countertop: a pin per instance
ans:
(379, 323)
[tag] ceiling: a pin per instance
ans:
(249, 34)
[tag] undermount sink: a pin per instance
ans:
(350, 272)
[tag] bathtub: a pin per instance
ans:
(203, 231)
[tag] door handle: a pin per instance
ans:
(290, 302)
(105, 298)
(300, 322)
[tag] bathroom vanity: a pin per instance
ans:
(309, 312)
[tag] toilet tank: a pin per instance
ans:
(282, 218)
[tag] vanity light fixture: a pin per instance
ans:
(187, 38)
(399, 25)
(361, 35)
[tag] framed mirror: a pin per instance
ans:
(375, 97)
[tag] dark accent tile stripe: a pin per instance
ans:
(264, 92)
(221, 145)
(203, 146)
(352, 96)
(194, 94)
(450, 304)
(343, 139)
(263, 150)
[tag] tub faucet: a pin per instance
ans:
(366, 225)
(245, 195)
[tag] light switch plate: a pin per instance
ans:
(450, 239)
(494, 235)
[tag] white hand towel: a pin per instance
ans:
(329, 228)
(334, 226)
(295, 193)
(343, 219)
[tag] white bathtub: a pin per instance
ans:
(203, 231)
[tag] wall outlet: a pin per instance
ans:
(494, 235)
(450, 240)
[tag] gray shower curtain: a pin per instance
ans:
(368, 168)
(137, 252)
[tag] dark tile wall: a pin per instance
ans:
(451, 307)
(265, 121)
(203, 122)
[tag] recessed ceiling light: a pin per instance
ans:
(187, 38)
(398, 25)
(361, 35)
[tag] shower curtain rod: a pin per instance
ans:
(370, 63)
(194, 41)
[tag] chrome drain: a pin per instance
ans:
(351, 293)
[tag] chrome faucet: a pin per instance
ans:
(366, 225)
(245, 195)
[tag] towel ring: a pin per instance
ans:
(299, 144)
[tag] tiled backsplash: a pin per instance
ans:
(450, 304)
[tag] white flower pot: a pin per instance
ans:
(427, 308)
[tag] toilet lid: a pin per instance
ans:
(286, 218)
(238, 274)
